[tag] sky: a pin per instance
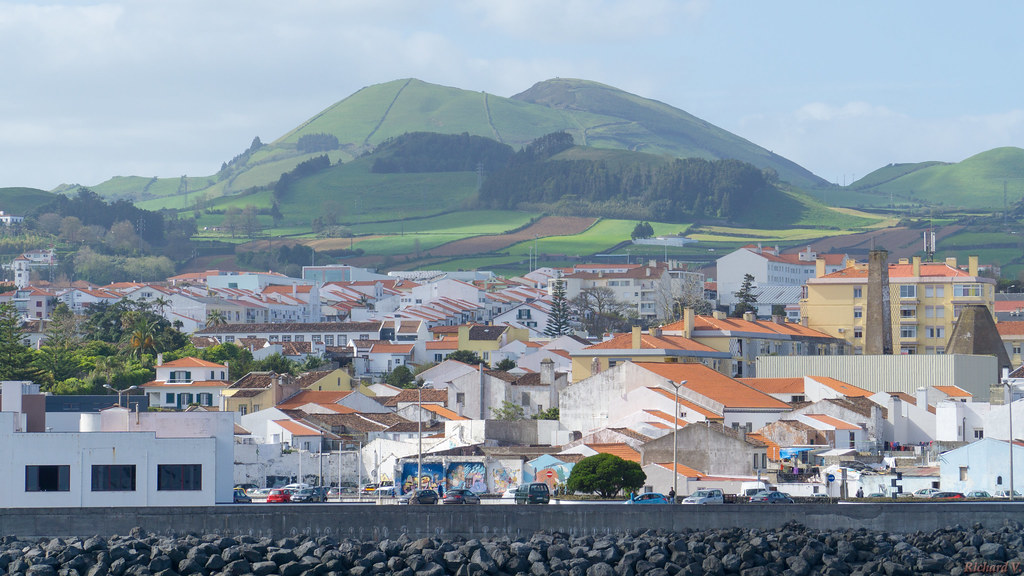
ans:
(93, 90)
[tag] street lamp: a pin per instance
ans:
(1009, 389)
(419, 433)
(675, 440)
(119, 392)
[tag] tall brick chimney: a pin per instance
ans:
(878, 317)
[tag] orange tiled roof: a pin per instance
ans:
(928, 269)
(1011, 328)
(190, 362)
(622, 450)
(775, 385)
(682, 470)
(954, 391)
(667, 418)
(297, 429)
(313, 397)
(648, 342)
(443, 412)
(848, 390)
(706, 323)
(389, 348)
(670, 394)
(714, 385)
(831, 421)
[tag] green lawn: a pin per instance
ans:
(460, 224)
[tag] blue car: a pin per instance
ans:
(649, 498)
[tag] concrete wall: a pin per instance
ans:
(891, 373)
(345, 521)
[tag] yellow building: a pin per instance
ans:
(925, 300)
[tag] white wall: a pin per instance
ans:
(951, 419)
(81, 451)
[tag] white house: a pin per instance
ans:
(771, 270)
(982, 465)
(187, 381)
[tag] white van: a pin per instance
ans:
(750, 488)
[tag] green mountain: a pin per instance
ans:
(596, 115)
(977, 183)
(18, 201)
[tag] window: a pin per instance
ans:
(936, 331)
(797, 398)
(934, 311)
(858, 312)
(966, 290)
(169, 398)
(329, 340)
(908, 331)
(300, 338)
(317, 339)
(908, 291)
(858, 332)
(286, 338)
(908, 312)
(963, 473)
(852, 439)
(255, 407)
(438, 357)
(1016, 347)
(242, 409)
(858, 292)
(113, 478)
(179, 477)
(55, 478)
(979, 433)
(460, 397)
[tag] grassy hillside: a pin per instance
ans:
(596, 115)
(18, 201)
(973, 184)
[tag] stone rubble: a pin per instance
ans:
(792, 550)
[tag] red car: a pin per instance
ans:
(279, 495)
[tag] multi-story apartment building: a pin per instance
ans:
(650, 289)
(925, 300)
(776, 275)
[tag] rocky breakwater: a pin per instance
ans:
(791, 550)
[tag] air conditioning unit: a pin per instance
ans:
(842, 330)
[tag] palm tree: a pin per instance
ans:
(142, 338)
(161, 303)
(215, 318)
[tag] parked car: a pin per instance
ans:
(978, 494)
(421, 496)
(260, 493)
(304, 495)
(947, 496)
(533, 493)
(509, 494)
(241, 497)
(649, 498)
(384, 492)
(1006, 494)
(367, 488)
(711, 496)
(247, 488)
(875, 495)
(460, 496)
(771, 498)
(279, 496)
(925, 492)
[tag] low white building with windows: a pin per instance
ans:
(182, 383)
(118, 458)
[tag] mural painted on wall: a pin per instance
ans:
(549, 470)
(468, 475)
(503, 478)
(433, 474)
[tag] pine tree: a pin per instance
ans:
(558, 319)
(745, 296)
(15, 356)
